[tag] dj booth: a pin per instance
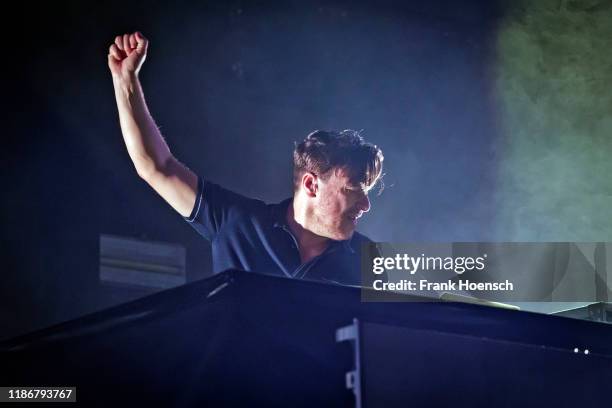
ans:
(244, 339)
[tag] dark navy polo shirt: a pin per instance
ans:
(251, 235)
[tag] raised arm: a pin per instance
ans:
(147, 148)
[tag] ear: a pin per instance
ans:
(310, 184)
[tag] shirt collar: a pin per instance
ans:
(279, 215)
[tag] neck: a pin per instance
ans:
(310, 244)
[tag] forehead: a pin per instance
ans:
(341, 177)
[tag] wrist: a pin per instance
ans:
(125, 81)
(126, 84)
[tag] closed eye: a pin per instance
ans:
(356, 189)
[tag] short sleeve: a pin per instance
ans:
(215, 207)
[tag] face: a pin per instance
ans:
(339, 205)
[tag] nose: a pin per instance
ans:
(364, 203)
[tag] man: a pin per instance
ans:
(311, 236)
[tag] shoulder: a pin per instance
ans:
(360, 241)
(218, 207)
(219, 196)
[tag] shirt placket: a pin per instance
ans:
(304, 268)
(301, 271)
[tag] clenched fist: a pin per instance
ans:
(127, 54)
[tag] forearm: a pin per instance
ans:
(145, 144)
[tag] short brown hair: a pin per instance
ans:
(323, 151)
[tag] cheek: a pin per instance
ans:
(331, 208)
(336, 206)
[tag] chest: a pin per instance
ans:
(274, 250)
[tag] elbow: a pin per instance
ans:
(145, 173)
(148, 170)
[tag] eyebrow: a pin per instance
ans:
(358, 187)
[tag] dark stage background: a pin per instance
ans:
(233, 85)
